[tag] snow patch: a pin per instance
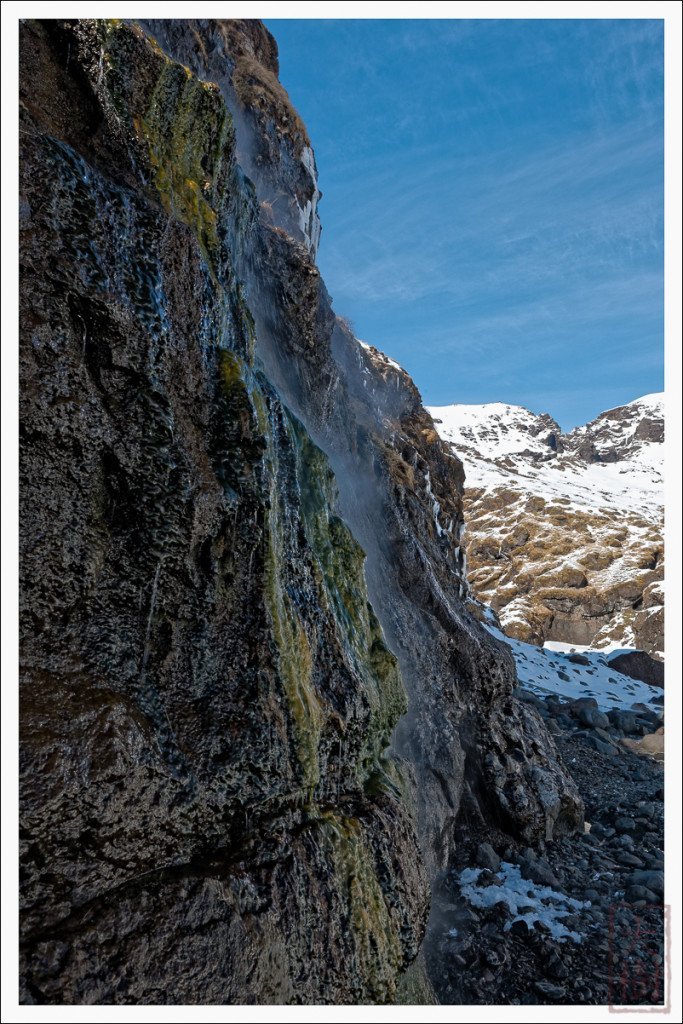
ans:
(381, 355)
(525, 900)
(547, 670)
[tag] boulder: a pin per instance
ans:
(653, 880)
(487, 857)
(639, 894)
(539, 871)
(639, 665)
(525, 781)
(626, 721)
(624, 824)
(576, 706)
(593, 718)
(608, 749)
(547, 990)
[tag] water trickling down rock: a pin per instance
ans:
(252, 694)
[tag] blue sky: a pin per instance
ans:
(493, 200)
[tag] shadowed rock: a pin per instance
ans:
(252, 694)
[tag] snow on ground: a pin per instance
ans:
(525, 900)
(497, 430)
(612, 486)
(561, 647)
(546, 670)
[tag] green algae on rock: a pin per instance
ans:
(239, 560)
(190, 595)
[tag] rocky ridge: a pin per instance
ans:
(253, 699)
(578, 556)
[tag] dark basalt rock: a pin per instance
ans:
(639, 665)
(210, 809)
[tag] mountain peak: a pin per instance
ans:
(578, 554)
(512, 439)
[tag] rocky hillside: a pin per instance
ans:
(565, 531)
(253, 701)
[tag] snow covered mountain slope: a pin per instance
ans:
(564, 531)
(570, 674)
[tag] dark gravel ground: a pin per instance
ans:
(617, 866)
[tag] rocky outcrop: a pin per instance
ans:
(622, 434)
(252, 696)
(578, 555)
(639, 665)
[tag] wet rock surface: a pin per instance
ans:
(207, 696)
(254, 703)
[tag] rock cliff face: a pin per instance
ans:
(252, 698)
(579, 555)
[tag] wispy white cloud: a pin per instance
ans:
(493, 195)
(586, 210)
